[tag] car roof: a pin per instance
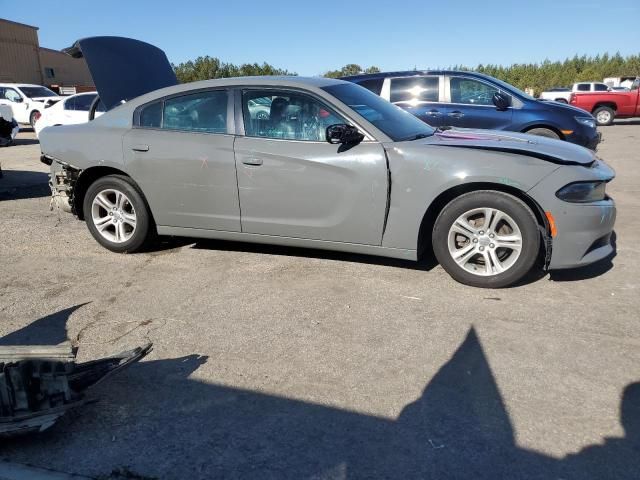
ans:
(258, 81)
(413, 73)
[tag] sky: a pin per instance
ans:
(310, 38)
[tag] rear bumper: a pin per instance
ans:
(585, 234)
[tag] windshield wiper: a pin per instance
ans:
(418, 137)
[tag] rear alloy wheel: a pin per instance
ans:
(543, 132)
(486, 239)
(116, 214)
(604, 116)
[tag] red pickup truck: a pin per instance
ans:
(606, 106)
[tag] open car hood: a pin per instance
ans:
(555, 151)
(123, 68)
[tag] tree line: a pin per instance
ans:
(539, 76)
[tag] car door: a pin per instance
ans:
(293, 183)
(180, 151)
(471, 105)
(419, 95)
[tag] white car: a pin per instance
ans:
(69, 111)
(27, 101)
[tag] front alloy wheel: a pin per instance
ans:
(486, 239)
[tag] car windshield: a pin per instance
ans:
(35, 92)
(396, 123)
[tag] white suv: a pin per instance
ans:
(27, 101)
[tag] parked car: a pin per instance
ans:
(27, 101)
(606, 106)
(345, 170)
(557, 94)
(8, 126)
(620, 89)
(69, 111)
(563, 95)
(473, 100)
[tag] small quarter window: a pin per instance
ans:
(151, 115)
(373, 85)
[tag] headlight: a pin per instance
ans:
(582, 192)
(587, 121)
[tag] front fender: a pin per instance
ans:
(421, 173)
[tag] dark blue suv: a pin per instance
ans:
(473, 100)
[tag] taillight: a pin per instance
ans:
(572, 98)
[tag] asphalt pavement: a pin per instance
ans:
(274, 362)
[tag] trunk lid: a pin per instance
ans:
(123, 68)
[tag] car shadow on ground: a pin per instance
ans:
(23, 184)
(427, 263)
(25, 141)
(590, 271)
(157, 420)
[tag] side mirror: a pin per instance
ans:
(18, 100)
(343, 133)
(501, 100)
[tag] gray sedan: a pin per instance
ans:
(331, 166)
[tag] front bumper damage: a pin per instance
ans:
(62, 182)
(38, 385)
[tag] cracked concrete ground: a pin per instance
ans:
(287, 363)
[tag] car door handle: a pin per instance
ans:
(434, 113)
(252, 161)
(140, 148)
(456, 114)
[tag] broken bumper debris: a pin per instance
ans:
(38, 385)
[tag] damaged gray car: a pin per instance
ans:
(331, 166)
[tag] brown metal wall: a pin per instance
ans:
(19, 58)
(67, 70)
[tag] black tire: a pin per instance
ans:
(607, 115)
(514, 208)
(144, 228)
(561, 100)
(543, 132)
(32, 118)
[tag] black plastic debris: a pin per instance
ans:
(39, 384)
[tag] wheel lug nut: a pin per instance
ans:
(481, 232)
(491, 235)
(475, 240)
(491, 245)
(482, 249)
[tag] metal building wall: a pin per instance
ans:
(19, 53)
(66, 70)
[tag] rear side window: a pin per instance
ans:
(583, 87)
(197, 112)
(83, 102)
(151, 115)
(415, 89)
(373, 85)
(70, 103)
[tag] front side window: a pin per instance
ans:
(415, 90)
(12, 95)
(467, 91)
(583, 87)
(286, 115)
(197, 112)
(600, 87)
